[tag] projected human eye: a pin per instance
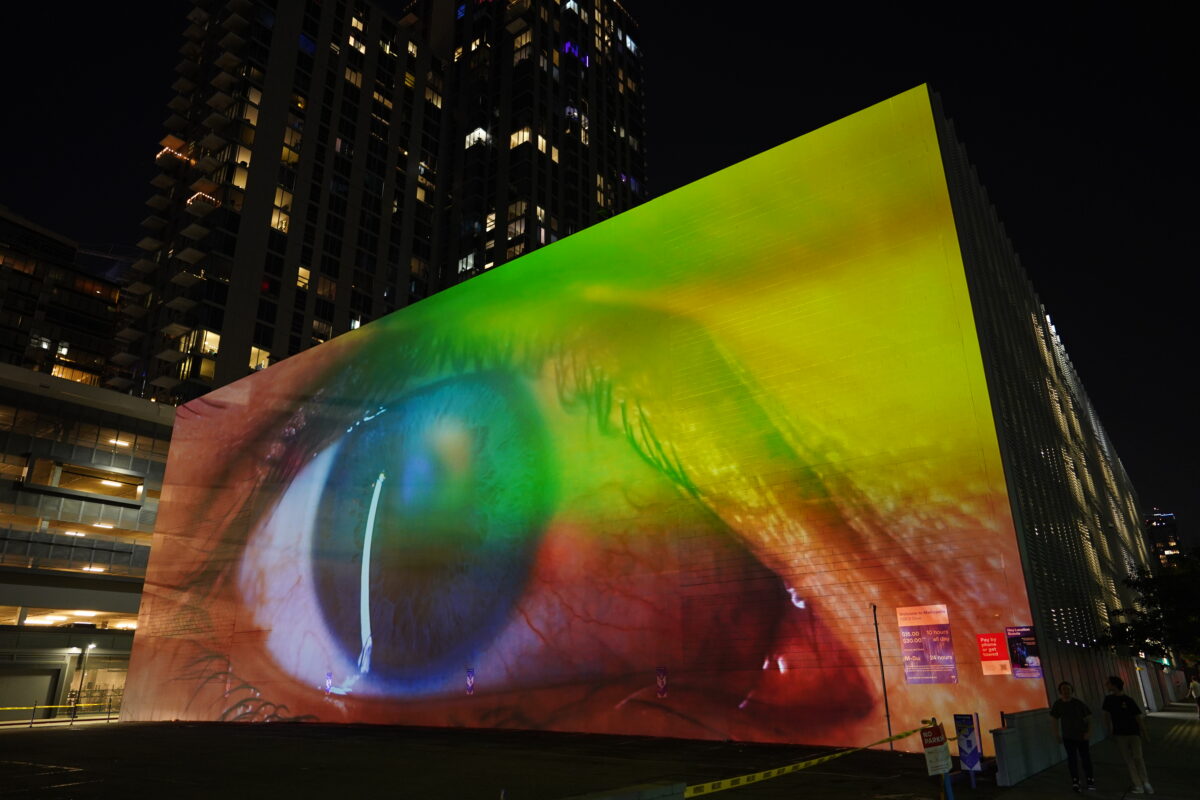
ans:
(407, 539)
(521, 517)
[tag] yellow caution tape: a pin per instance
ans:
(39, 708)
(754, 777)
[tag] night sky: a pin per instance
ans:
(1078, 120)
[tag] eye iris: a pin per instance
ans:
(465, 493)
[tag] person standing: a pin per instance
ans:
(1125, 724)
(1071, 720)
(1194, 691)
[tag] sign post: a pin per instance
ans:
(937, 753)
(970, 755)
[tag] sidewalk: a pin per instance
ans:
(204, 760)
(1172, 759)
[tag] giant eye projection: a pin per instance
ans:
(650, 479)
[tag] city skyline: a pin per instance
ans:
(1068, 119)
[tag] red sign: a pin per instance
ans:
(993, 653)
(933, 736)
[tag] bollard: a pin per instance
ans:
(33, 716)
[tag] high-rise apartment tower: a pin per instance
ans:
(328, 162)
(296, 197)
(546, 105)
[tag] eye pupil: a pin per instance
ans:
(454, 528)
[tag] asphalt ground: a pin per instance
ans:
(186, 760)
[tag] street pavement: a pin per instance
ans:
(186, 760)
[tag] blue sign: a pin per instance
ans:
(970, 755)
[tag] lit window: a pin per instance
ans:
(303, 274)
(279, 220)
(412, 49)
(541, 143)
(519, 137)
(62, 348)
(554, 154)
(490, 225)
(259, 358)
(76, 375)
(466, 263)
(433, 96)
(357, 45)
(355, 323)
(356, 23)
(478, 136)
(516, 228)
(523, 39)
(354, 77)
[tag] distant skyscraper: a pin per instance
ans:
(1162, 532)
(327, 163)
(546, 102)
(296, 197)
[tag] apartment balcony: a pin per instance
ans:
(154, 222)
(190, 50)
(213, 143)
(127, 333)
(180, 303)
(186, 277)
(162, 181)
(123, 358)
(171, 355)
(134, 310)
(183, 84)
(223, 80)
(169, 159)
(175, 122)
(158, 202)
(179, 103)
(235, 22)
(220, 100)
(137, 288)
(198, 16)
(194, 32)
(118, 382)
(165, 382)
(191, 255)
(145, 265)
(231, 41)
(195, 232)
(187, 66)
(201, 204)
(149, 243)
(215, 121)
(207, 164)
(205, 184)
(227, 61)
(175, 329)
(240, 6)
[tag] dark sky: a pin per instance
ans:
(1078, 118)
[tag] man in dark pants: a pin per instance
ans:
(1071, 720)
(1126, 725)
